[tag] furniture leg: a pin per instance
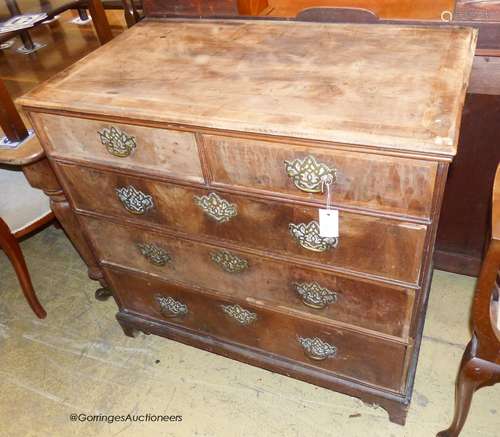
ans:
(130, 13)
(29, 46)
(128, 330)
(40, 175)
(103, 294)
(27, 40)
(10, 120)
(70, 224)
(397, 414)
(82, 13)
(100, 21)
(474, 373)
(11, 247)
(396, 410)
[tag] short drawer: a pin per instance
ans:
(362, 180)
(379, 246)
(173, 153)
(346, 353)
(319, 294)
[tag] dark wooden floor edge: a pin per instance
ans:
(396, 406)
(457, 263)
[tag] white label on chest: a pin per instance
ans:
(329, 223)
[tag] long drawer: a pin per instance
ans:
(345, 353)
(378, 246)
(363, 180)
(364, 304)
(173, 153)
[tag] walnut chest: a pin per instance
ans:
(194, 157)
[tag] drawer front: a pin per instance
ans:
(376, 182)
(343, 352)
(384, 247)
(319, 294)
(173, 153)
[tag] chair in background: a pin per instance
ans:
(132, 10)
(480, 364)
(23, 209)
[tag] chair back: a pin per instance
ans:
(486, 308)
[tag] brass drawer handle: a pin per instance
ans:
(117, 142)
(317, 349)
(314, 295)
(308, 174)
(216, 207)
(169, 307)
(307, 235)
(241, 315)
(134, 200)
(154, 254)
(228, 261)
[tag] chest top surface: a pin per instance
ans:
(396, 87)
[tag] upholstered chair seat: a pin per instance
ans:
(20, 204)
(23, 209)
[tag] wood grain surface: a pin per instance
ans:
(393, 87)
(173, 153)
(363, 304)
(261, 225)
(366, 359)
(363, 180)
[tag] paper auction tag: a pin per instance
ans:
(329, 223)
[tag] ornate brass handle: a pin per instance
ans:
(154, 254)
(314, 295)
(307, 235)
(169, 307)
(228, 261)
(216, 207)
(317, 349)
(134, 200)
(117, 142)
(308, 174)
(241, 315)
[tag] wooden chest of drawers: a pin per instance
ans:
(195, 157)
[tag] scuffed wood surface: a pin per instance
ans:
(370, 359)
(388, 86)
(172, 152)
(369, 306)
(363, 180)
(399, 245)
